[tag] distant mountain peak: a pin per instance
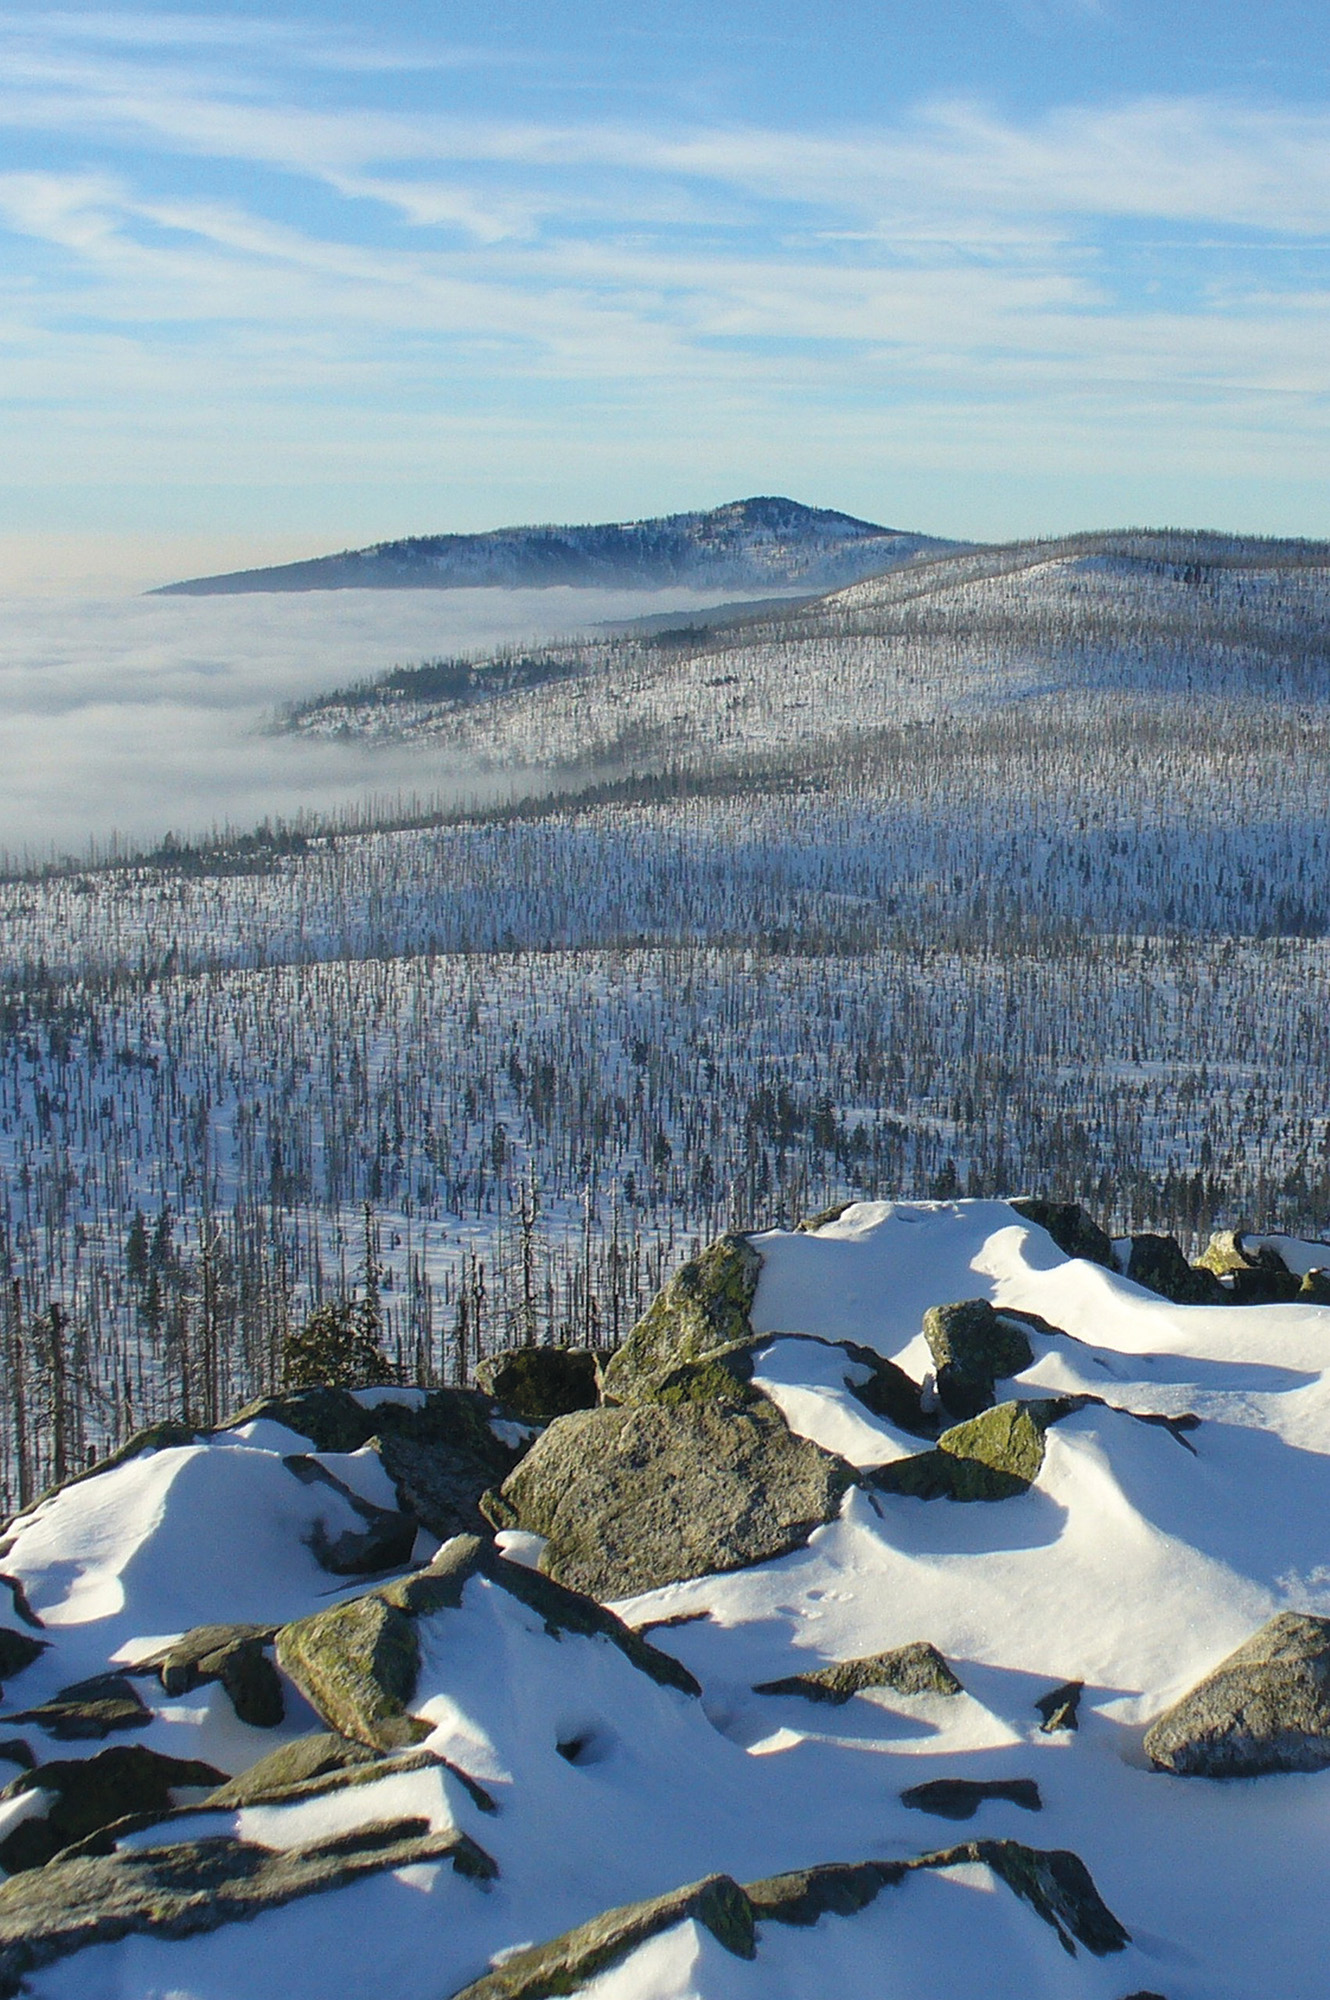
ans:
(767, 542)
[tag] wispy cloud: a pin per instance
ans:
(192, 223)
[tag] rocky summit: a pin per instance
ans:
(660, 1673)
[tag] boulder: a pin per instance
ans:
(99, 1707)
(704, 1306)
(992, 1457)
(540, 1383)
(889, 1392)
(1060, 1708)
(961, 1798)
(1264, 1285)
(915, 1669)
(973, 1347)
(1314, 1289)
(385, 1541)
(89, 1793)
(631, 1499)
(1075, 1233)
(236, 1656)
(1157, 1262)
(1055, 1883)
(1265, 1708)
(293, 1766)
(358, 1663)
(566, 1963)
(191, 1887)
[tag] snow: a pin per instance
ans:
(1138, 1559)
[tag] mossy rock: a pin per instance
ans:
(1075, 1233)
(1158, 1263)
(705, 1305)
(1055, 1883)
(566, 1963)
(918, 1668)
(91, 1793)
(357, 1664)
(635, 1498)
(1265, 1708)
(192, 1887)
(538, 1384)
(236, 1656)
(972, 1348)
(995, 1456)
(293, 1766)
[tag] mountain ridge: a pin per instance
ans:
(766, 540)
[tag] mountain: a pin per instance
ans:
(947, 1649)
(764, 543)
(1087, 619)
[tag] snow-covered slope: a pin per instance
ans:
(764, 542)
(588, 1776)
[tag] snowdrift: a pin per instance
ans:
(993, 1740)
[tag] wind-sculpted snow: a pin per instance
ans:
(556, 1788)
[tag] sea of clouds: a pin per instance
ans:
(135, 715)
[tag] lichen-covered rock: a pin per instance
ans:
(631, 1499)
(330, 1418)
(236, 1656)
(1060, 1708)
(192, 1887)
(293, 1765)
(972, 1348)
(538, 1384)
(358, 1663)
(87, 1794)
(1158, 1263)
(1265, 1708)
(1055, 1883)
(1314, 1288)
(961, 1798)
(994, 1456)
(705, 1305)
(915, 1669)
(1075, 1233)
(566, 1963)
(98, 1707)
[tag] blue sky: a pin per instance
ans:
(278, 279)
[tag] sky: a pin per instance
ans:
(279, 279)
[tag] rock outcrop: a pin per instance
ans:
(358, 1663)
(538, 1384)
(995, 1456)
(1055, 1883)
(973, 1348)
(86, 1794)
(235, 1655)
(705, 1306)
(1265, 1708)
(915, 1669)
(1075, 1233)
(634, 1498)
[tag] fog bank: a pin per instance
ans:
(139, 715)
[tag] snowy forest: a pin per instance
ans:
(1003, 873)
